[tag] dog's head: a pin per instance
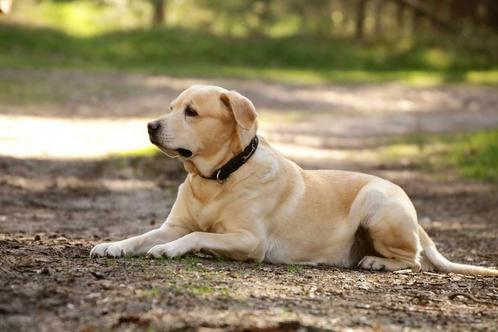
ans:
(204, 124)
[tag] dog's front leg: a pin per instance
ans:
(139, 245)
(237, 245)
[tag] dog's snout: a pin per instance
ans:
(153, 126)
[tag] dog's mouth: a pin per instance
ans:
(153, 140)
(184, 152)
(173, 153)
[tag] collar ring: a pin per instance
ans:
(220, 181)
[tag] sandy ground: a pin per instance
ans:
(59, 196)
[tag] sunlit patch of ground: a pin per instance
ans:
(27, 137)
(74, 114)
(318, 141)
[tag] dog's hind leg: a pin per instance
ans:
(392, 227)
(395, 237)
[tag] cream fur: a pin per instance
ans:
(272, 210)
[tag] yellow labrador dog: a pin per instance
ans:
(242, 199)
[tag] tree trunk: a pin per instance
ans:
(378, 10)
(158, 12)
(400, 17)
(464, 9)
(360, 19)
(491, 7)
(417, 20)
(423, 9)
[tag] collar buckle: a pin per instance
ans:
(220, 181)
(235, 163)
(253, 147)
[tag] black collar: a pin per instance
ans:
(222, 173)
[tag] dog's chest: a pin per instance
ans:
(206, 215)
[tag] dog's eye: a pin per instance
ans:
(189, 111)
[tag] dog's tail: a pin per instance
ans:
(442, 264)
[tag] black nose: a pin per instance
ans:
(153, 126)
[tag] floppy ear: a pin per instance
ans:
(242, 108)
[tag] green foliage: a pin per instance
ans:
(293, 268)
(472, 156)
(290, 59)
(476, 155)
(81, 17)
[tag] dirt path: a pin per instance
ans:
(85, 115)
(54, 207)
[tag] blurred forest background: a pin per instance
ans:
(416, 41)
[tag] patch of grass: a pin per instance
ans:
(191, 262)
(287, 59)
(148, 151)
(476, 156)
(173, 287)
(293, 268)
(151, 293)
(108, 262)
(472, 156)
(201, 290)
(225, 293)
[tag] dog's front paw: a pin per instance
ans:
(109, 249)
(166, 250)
